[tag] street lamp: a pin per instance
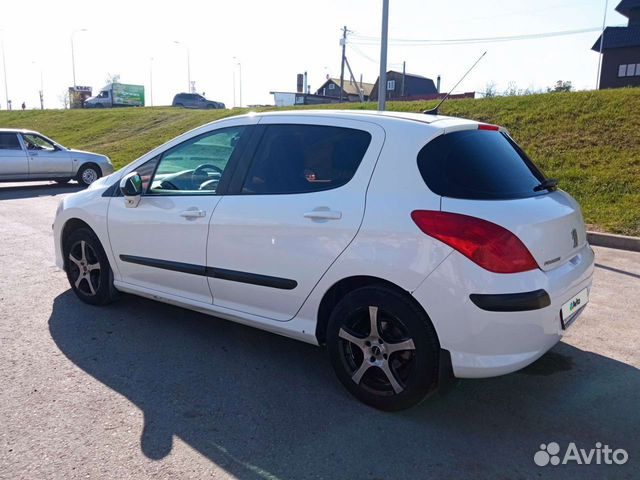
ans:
(4, 68)
(239, 82)
(151, 80)
(382, 79)
(188, 63)
(73, 59)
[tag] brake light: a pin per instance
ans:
(491, 246)
(486, 126)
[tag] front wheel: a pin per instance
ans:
(88, 174)
(383, 348)
(87, 268)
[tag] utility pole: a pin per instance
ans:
(604, 23)
(73, 57)
(4, 68)
(353, 79)
(343, 41)
(404, 73)
(382, 79)
(151, 80)
(239, 65)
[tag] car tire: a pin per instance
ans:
(88, 269)
(87, 174)
(62, 181)
(393, 368)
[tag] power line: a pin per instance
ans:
(365, 40)
(359, 52)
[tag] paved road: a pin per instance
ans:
(141, 389)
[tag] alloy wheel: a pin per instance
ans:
(377, 351)
(84, 268)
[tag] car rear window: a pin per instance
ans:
(478, 165)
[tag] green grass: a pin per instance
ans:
(589, 141)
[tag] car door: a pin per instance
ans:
(161, 243)
(45, 158)
(290, 212)
(13, 158)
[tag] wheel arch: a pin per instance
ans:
(88, 163)
(346, 285)
(70, 226)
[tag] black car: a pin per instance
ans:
(194, 100)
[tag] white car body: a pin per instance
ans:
(20, 163)
(365, 230)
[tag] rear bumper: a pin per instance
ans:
(499, 336)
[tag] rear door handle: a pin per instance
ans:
(323, 215)
(193, 213)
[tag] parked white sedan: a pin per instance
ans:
(418, 248)
(26, 155)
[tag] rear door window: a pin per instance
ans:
(479, 165)
(9, 141)
(305, 158)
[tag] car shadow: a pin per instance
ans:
(263, 406)
(14, 191)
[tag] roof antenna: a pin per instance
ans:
(434, 111)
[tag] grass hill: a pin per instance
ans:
(590, 141)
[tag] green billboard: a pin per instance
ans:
(131, 95)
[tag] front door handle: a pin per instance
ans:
(323, 215)
(193, 213)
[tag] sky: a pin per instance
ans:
(266, 43)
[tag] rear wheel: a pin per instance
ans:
(88, 174)
(383, 348)
(87, 268)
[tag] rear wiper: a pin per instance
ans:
(549, 184)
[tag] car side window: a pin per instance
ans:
(146, 172)
(36, 142)
(305, 158)
(9, 141)
(196, 165)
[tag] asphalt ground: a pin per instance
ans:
(140, 389)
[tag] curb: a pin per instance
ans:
(609, 240)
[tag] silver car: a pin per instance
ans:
(29, 155)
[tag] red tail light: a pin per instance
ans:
(491, 246)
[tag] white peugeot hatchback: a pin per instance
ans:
(418, 248)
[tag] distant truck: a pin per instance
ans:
(117, 95)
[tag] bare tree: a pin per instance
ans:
(512, 89)
(490, 90)
(113, 78)
(64, 99)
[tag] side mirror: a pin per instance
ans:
(131, 188)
